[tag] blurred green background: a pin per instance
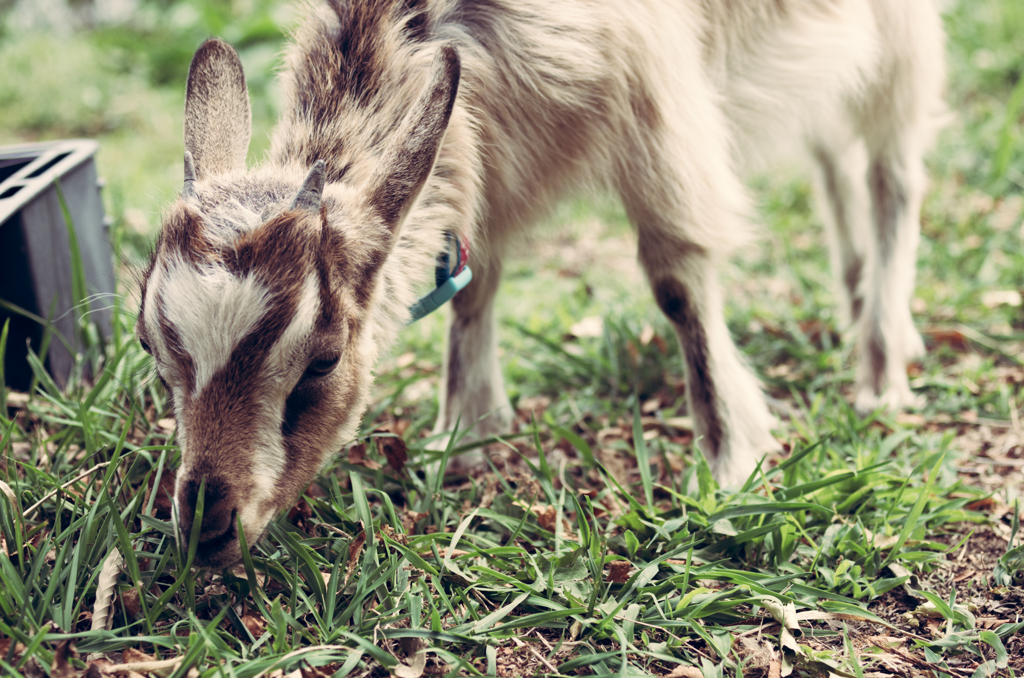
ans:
(115, 71)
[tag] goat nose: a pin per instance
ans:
(217, 521)
(219, 511)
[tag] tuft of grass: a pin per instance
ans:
(586, 569)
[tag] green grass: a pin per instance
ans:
(601, 546)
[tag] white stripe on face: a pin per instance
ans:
(284, 365)
(291, 346)
(212, 311)
(150, 302)
(254, 518)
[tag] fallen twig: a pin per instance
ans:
(162, 667)
(81, 475)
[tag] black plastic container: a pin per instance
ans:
(35, 254)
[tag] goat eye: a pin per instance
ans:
(322, 366)
(145, 346)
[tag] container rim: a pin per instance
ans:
(50, 160)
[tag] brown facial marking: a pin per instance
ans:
(225, 418)
(673, 299)
(183, 234)
(299, 401)
(315, 410)
(319, 405)
(279, 249)
(332, 266)
(176, 349)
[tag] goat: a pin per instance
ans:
(272, 291)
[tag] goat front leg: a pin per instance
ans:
(472, 391)
(731, 419)
(688, 207)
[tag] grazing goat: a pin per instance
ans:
(272, 291)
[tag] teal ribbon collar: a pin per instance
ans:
(450, 275)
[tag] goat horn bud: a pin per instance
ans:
(312, 189)
(189, 189)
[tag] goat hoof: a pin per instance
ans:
(892, 399)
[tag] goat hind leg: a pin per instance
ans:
(897, 118)
(889, 339)
(845, 207)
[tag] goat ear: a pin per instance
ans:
(410, 157)
(218, 120)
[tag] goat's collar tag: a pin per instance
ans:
(450, 275)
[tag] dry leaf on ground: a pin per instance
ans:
(618, 571)
(357, 457)
(394, 450)
(62, 666)
(354, 551)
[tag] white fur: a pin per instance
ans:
(212, 311)
(152, 295)
(281, 361)
(255, 513)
